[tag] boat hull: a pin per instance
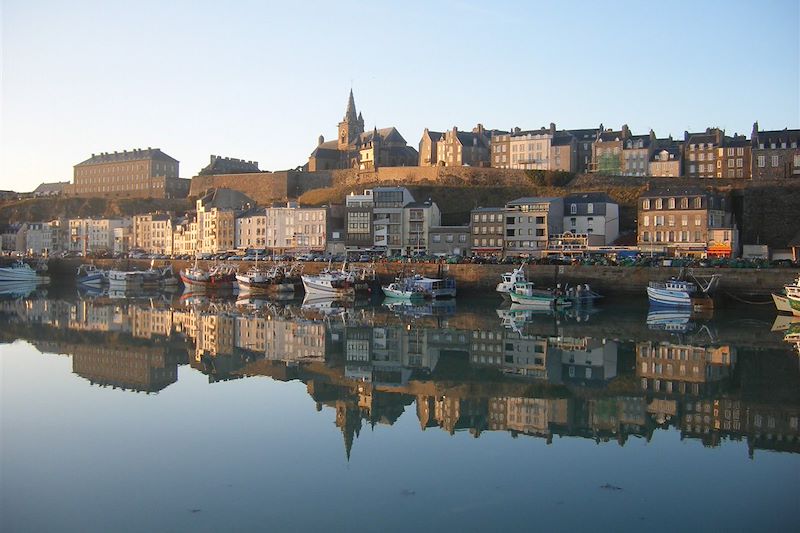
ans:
(669, 297)
(403, 295)
(313, 286)
(782, 304)
(17, 275)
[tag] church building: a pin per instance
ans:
(355, 148)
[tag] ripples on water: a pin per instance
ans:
(193, 413)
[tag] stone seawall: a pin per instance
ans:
(610, 281)
(263, 187)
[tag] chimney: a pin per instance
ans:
(552, 128)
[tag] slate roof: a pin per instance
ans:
(588, 197)
(674, 191)
(562, 139)
(128, 155)
(51, 188)
(778, 137)
(532, 200)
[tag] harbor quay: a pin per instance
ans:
(746, 285)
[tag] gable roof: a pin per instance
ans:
(594, 197)
(128, 155)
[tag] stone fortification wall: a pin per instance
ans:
(263, 187)
(442, 176)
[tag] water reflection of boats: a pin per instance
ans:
(675, 319)
(329, 305)
(518, 314)
(433, 307)
(784, 322)
(17, 289)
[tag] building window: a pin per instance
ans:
(774, 161)
(762, 161)
(573, 209)
(671, 203)
(646, 204)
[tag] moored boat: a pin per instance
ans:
(265, 280)
(433, 287)
(403, 291)
(677, 292)
(18, 271)
(123, 280)
(525, 293)
(782, 304)
(329, 282)
(793, 296)
(509, 279)
(221, 277)
(91, 276)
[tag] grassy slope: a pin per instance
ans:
(39, 209)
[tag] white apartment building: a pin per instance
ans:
(251, 229)
(593, 214)
(152, 233)
(296, 229)
(94, 235)
(184, 237)
(44, 238)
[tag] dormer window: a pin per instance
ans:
(573, 209)
(671, 203)
(659, 203)
(698, 202)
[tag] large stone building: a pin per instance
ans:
(701, 153)
(775, 154)
(687, 222)
(464, 148)
(584, 140)
(427, 148)
(607, 157)
(734, 158)
(135, 173)
(636, 153)
(355, 148)
(666, 160)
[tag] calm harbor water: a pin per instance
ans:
(197, 414)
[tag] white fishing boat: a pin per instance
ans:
(680, 293)
(221, 277)
(433, 287)
(18, 271)
(509, 279)
(91, 276)
(328, 282)
(793, 296)
(782, 304)
(124, 280)
(524, 293)
(259, 279)
(403, 291)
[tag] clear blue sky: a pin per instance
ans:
(261, 82)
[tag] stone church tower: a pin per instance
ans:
(351, 127)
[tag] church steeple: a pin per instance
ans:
(351, 126)
(350, 112)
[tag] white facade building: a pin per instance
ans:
(593, 214)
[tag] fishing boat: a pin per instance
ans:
(432, 287)
(581, 294)
(525, 293)
(329, 282)
(403, 291)
(509, 279)
(793, 296)
(681, 293)
(782, 304)
(259, 279)
(17, 271)
(91, 276)
(220, 277)
(125, 280)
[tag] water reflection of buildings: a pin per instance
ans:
(466, 378)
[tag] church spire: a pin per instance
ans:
(350, 112)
